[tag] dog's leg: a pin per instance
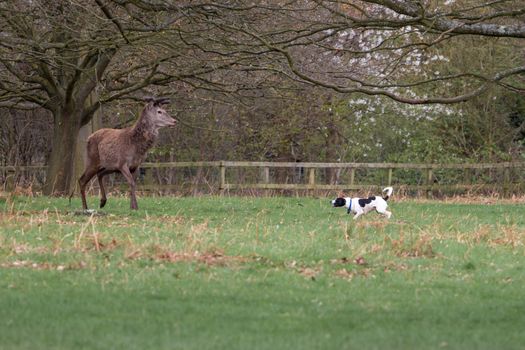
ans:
(358, 214)
(381, 208)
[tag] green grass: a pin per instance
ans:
(260, 273)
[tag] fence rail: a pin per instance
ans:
(504, 178)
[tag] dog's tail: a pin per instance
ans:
(388, 193)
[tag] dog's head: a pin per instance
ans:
(339, 202)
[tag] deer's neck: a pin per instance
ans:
(143, 135)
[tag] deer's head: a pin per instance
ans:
(157, 115)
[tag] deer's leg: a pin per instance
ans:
(131, 181)
(103, 199)
(135, 173)
(83, 181)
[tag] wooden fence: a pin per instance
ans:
(219, 176)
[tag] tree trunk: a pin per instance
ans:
(60, 177)
(81, 156)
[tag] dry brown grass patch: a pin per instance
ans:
(469, 199)
(377, 224)
(512, 236)
(209, 258)
(413, 247)
(494, 235)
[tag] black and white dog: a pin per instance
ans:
(360, 206)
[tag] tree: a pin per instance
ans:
(53, 55)
(70, 57)
(372, 46)
(388, 48)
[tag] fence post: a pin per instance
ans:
(266, 175)
(311, 177)
(352, 176)
(222, 169)
(506, 182)
(467, 176)
(389, 178)
(148, 178)
(10, 180)
(428, 182)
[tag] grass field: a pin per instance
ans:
(260, 273)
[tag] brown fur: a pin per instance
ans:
(123, 150)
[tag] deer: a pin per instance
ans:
(123, 150)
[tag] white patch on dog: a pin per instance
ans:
(360, 206)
